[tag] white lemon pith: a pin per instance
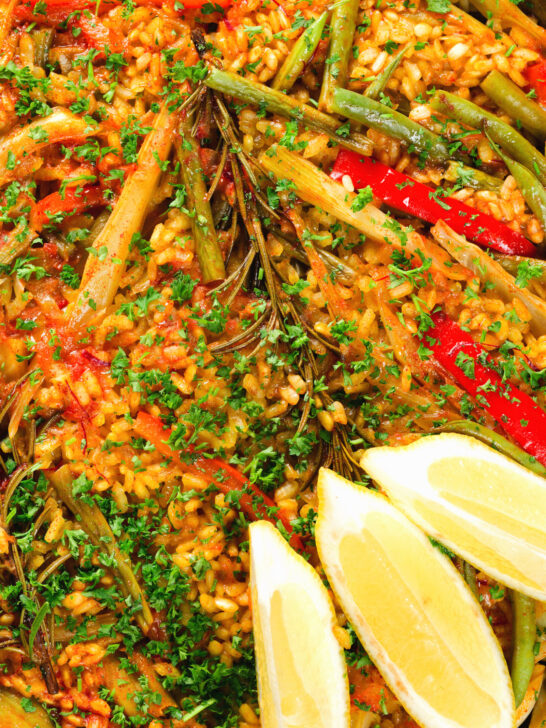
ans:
(484, 506)
(412, 611)
(302, 675)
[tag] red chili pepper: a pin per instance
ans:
(225, 477)
(536, 75)
(517, 413)
(73, 201)
(406, 194)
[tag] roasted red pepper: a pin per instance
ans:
(536, 75)
(53, 12)
(406, 194)
(225, 477)
(467, 362)
(72, 201)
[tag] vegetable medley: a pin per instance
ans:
(240, 241)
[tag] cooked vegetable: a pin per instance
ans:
(406, 194)
(73, 201)
(464, 111)
(491, 273)
(536, 75)
(302, 52)
(95, 525)
(60, 126)
(516, 103)
(106, 264)
(204, 233)
(342, 24)
(18, 712)
(514, 410)
(523, 657)
(43, 40)
(394, 124)
(278, 103)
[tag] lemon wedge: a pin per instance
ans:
(302, 674)
(412, 611)
(482, 505)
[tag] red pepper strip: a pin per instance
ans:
(74, 200)
(536, 75)
(514, 410)
(193, 4)
(225, 477)
(406, 194)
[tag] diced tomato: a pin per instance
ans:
(536, 75)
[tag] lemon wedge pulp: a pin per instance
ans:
(302, 675)
(414, 614)
(482, 505)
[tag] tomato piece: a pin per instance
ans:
(536, 75)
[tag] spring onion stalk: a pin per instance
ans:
(508, 14)
(43, 40)
(18, 714)
(95, 525)
(316, 188)
(469, 574)
(515, 102)
(106, 262)
(392, 123)
(497, 442)
(207, 247)
(491, 272)
(502, 134)
(523, 656)
(300, 55)
(59, 126)
(343, 25)
(378, 84)
(532, 190)
(276, 102)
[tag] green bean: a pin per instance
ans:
(474, 178)
(207, 247)
(379, 83)
(508, 15)
(300, 55)
(43, 40)
(502, 134)
(278, 103)
(533, 192)
(495, 441)
(512, 263)
(525, 633)
(469, 574)
(511, 99)
(392, 123)
(343, 25)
